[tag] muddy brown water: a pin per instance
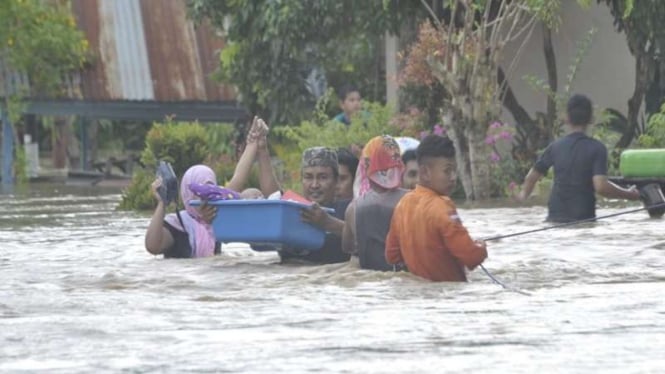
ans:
(78, 293)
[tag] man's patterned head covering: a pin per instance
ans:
(319, 156)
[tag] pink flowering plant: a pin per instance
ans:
(503, 168)
(410, 122)
(437, 129)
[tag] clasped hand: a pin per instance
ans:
(207, 212)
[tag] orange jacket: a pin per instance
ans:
(428, 236)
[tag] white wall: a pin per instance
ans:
(606, 74)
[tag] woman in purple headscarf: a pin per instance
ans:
(189, 233)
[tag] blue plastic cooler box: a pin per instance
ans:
(264, 222)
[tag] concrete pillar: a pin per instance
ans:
(392, 46)
(84, 143)
(7, 149)
(60, 137)
(31, 156)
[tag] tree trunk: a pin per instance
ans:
(533, 134)
(525, 126)
(644, 71)
(456, 134)
(479, 160)
(552, 79)
(653, 98)
(471, 154)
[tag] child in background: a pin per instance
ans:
(350, 103)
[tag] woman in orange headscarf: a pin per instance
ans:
(377, 191)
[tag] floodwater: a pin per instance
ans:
(78, 293)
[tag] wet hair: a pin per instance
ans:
(409, 155)
(435, 146)
(580, 110)
(345, 90)
(346, 158)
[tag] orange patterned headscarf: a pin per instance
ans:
(380, 162)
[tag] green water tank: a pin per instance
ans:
(644, 163)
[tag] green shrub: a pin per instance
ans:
(290, 141)
(504, 169)
(373, 120)
(138, 195)
(654, 135)
(181, 144)
(609, 137)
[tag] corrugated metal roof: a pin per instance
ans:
(150, 50)
(133, 68)
(143, 50)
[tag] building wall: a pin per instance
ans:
(606, 74)
(148, 50)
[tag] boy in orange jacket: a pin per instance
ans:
(425, 232)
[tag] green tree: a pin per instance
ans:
(654, 133)
(461, 48)
(40, 39)
(641, 22)
(532, 133)
(274, 46)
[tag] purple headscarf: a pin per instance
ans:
(201, 237)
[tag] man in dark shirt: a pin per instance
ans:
(580, 169)
(319, 174)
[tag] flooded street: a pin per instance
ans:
(79, 293)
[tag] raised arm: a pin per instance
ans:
(267, 180)
(244, 166)
(157, 237)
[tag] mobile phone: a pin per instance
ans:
(168, 191)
